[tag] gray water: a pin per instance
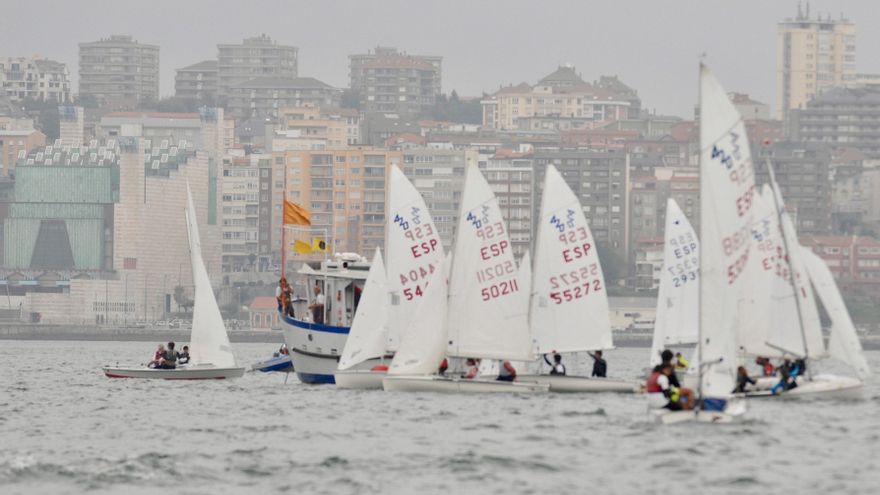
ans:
(64, 428)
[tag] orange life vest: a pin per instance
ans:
(652, 387)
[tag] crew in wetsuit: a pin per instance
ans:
(666, 357)
(444, 365)
(788, 373)
(677, 390)
(506, 372)
(600, 367)
(660, 391)
(556, 367)
(473, 369)
(742, 379)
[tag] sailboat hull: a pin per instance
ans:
(581, 384)
(735, 410)
(820, 387)
(433, 383)
(279, 363)
(184, 373)
(359, 379)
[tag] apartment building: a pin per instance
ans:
(840, 118)
(338, 127)
(854, 262)
(812, 55)
(197, 82)
(118, 71)
(240, 210)
(32, 78)
(388, 80)
(258, 56)
(264, 97)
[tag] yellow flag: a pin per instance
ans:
(295, 214)
(319, 245)
(302, 247)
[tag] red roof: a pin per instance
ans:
(264, 303)
(406, 137)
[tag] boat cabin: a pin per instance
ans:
(341, 281)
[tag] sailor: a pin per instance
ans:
(157, 357)
(317, 307)
(742, 379)
(184, 356)
(788, 373)
(681, 363)
(444, 365)
(600, 367)
(283, 350)
(169, 359)
(659, 390)
(766, 366)
(678, 391)
(556, 367)
(506, 372)
(473, 369)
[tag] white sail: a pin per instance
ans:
(525, 277)
(413, 250)
(844, 342)
(569, 308)
(727, 186)
(487, 318)
(209, 343)
(423, 343)
(765, 275)
(369, 330)
(677, 319)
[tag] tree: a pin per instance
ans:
(350, 99)
(454, 109)
(181, 299)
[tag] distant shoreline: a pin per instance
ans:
(130, 334)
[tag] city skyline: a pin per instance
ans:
(476, 59)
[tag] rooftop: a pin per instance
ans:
(204, 65)
(282, 82)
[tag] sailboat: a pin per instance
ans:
(678, 299)
(368, 336)
(414, 253)
(484, 312)
(794, 329)
(569, 303)
(210, 353)
(727, 184)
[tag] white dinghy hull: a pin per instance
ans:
(582, 384)
(735, 410)
(359, 379)
(421, 383)
(184, 373)
(820, 387)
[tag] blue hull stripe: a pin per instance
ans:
(316, 379)
(316, 327)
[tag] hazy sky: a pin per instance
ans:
(652, 45)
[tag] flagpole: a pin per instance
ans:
(283, 225)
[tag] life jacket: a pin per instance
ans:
(768, 369)
(652, 387)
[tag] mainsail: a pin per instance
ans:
(677, 319)
(569, 306)
(209, 343)
(727, 187)
(487, 318)
(369, 330)
(413, 250)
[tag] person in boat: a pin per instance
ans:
(678, 392)
(473, 369)
(184, 356)
(157, 357)
(681, 363)
(600, 366)
(444, 365)
(766, 366)
(317, 307)
(742, 380)
(283, 350)
(506, 372)
(661, 394)
(169, 359)
(556, 367)
(788, 373)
